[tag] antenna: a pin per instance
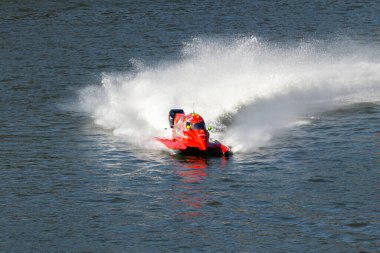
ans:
(193, 108)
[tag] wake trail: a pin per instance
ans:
(247, 89)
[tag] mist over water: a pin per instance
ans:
(292, 86)
(246, 88)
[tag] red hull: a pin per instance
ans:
(213, 148)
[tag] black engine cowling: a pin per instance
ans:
(172, 114)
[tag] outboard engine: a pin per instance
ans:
(172, 114)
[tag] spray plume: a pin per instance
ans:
(248, 90)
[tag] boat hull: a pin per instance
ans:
(213, 148)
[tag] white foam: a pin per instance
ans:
(257, 88)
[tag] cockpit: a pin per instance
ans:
(199, 126)
(196, 126)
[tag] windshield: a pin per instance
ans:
(199, 126)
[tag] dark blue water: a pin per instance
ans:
(73, 181)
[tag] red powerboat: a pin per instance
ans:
(190, 135)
